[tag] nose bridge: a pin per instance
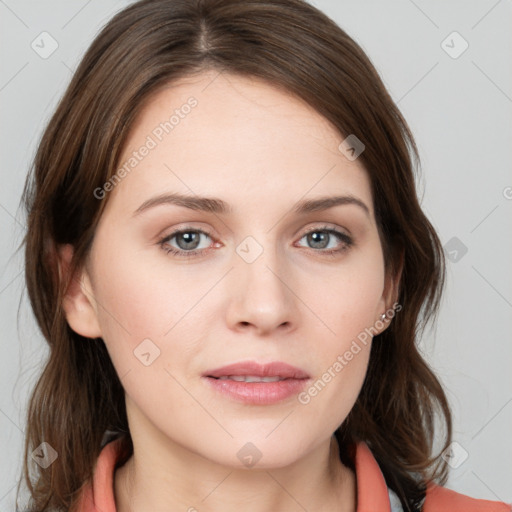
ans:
(261, 265)
(262, 296)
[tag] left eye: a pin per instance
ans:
(320, 238)
(187, 241)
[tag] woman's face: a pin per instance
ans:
(242, 283)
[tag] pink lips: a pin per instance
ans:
(274, 369)
(291, 381)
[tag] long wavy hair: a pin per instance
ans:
(79, 398)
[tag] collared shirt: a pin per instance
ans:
(373, 495)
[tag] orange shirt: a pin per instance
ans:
(372, 492)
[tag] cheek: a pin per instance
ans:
(341, 352)
(335, 388)
(132, 294)
(347, 309)
(348, 300)
(153, 309)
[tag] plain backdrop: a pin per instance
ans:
(447, 65)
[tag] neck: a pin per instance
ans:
(188, 482)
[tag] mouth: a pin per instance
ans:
(251, 370)
(249, 378)
(257, 384)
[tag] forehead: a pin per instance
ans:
(234, 137)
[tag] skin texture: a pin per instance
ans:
(260, 150)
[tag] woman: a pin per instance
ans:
(227, 257)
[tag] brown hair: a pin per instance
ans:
(295, 47)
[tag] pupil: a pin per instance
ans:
(316, 238)
(189, 240)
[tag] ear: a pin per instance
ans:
(390, 294)
(78, 301)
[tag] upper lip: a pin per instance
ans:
(272, 369)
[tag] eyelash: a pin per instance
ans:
(342, 237)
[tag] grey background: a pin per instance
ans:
(459, 110)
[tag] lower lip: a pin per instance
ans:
(258, 393)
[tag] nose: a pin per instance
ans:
(261, 296)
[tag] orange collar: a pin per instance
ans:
(372, 492)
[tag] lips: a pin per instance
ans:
(250, 378)
(256, 372)
(252, 383)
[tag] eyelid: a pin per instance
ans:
(326, 227)
(185, 229)
(344, 238)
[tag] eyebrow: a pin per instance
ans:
(216, 205)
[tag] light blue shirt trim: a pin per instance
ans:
(394, 501)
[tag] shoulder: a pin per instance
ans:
(441, 499)
(373, 493)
